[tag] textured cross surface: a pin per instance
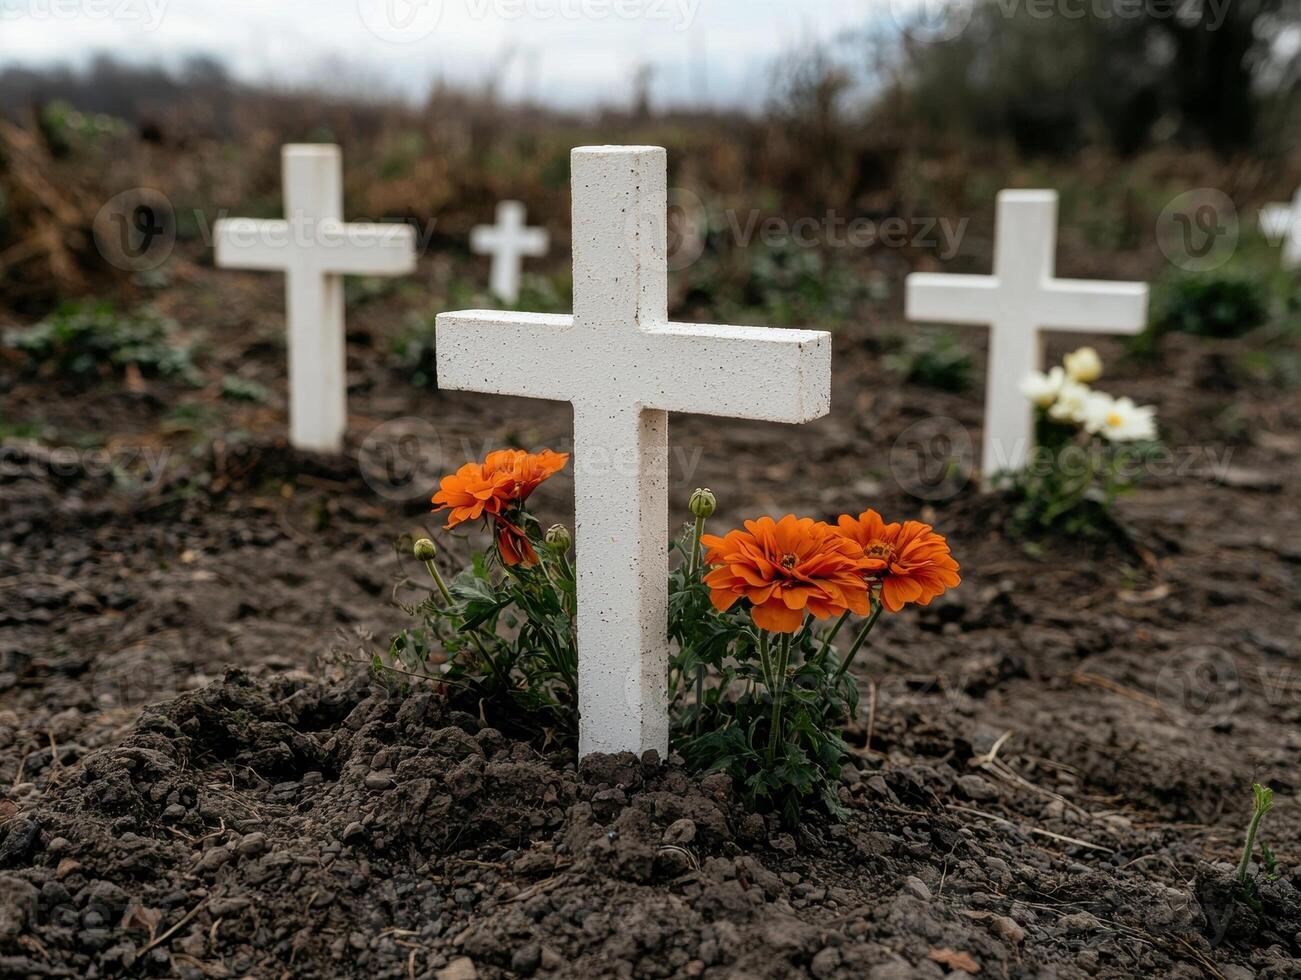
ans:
(314, 248)
(1018, 302)
(624, 367)
(1282, 222)
(508, 242)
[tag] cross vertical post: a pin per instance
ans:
(318, 391)
(620, 217)
(1024, 258)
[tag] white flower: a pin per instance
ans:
(1084, 365)
(1119, 419)
(1042, 389)
(1072, 401)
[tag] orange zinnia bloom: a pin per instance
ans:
(910, 560)
(496, 489)
(524, 471)
(786, 568)
(501, 483)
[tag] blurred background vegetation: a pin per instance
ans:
(1118, 113)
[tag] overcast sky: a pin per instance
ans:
(574, 52)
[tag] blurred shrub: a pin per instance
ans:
(414, 352)
(1272, 368)
(65, 129)
(237, 389)
(1211, 305)
(1053, 83)
(793, 285)
(933, 361)
(90, 341)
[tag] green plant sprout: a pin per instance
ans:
(1264, 800)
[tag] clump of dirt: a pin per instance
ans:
(288, 827)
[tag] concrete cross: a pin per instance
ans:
(624, 367)
(1018, 302)
(314, 248)
(508, 241)
(1282, 222)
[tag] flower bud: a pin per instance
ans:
(559, 539)
(703, 503)
(1084, 365)
(424, 550)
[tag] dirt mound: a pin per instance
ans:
(290, 828)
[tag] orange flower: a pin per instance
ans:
(470, 493)
(786, 568)
(501, 483)
(910, 560)
(524, 471)
(513, 545)
(496, 489)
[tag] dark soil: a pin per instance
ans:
(1051, 771)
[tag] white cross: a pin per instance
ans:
(1282, 222)
(314, 248)
(508, 241)
(1018, 302)
(624, 367)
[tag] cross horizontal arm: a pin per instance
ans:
(1098, 307)
(942, 298)
(528, 355)
(247, 243)
(367, 249)
(327, 246)
(737, 372)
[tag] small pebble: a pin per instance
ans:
(214, 858)
(354, 831)
(680, 832)
(458, 969)
(1080, 922)
(915, 887)
(1007, 929)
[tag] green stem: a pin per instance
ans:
(693, 566)
(859, 640)
(765, 661)
(693, 569)
(826, 641)
(447, 598)
(779, 694)
(700, 696)
(438, 580)
(1257, 815)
